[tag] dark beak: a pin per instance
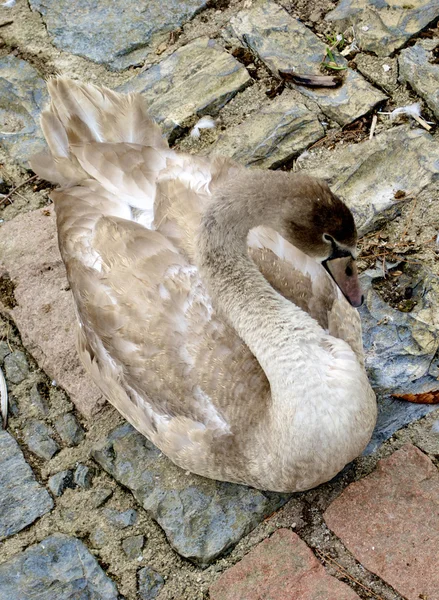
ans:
(345, 274)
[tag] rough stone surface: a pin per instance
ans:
(59, 482)
(121, 519)
(4, 351)
(16, 367)
(58, 568)
(149, 583)
(368, 174)
(400, 347)
(38, 437)
(119, 34)
(22, 97)
(22, 499)
(416, 69)
(37, 401)
(69, 430)
(201, 518)
(44, 313)
(281, 567)
(284, 43)
(390, 522)
(198, 79)
(275, 133)
(132, 546)
(382, 27)
(83, 476)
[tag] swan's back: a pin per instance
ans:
(149, 335)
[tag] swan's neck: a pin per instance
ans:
(272, 327)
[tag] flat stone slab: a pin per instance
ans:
(117, 34)
(400, 347)
(45, 313)
(368, 174)
(202, 518)
(58, 568)
(281, 567)
(390, 522)
(23, 95)
(198, 79)
(283, 43)
(381, 26)
(22, 498)
(275, 133)
(416, 69)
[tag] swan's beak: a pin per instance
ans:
(345, 274)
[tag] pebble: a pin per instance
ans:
(38, 437)
(16, 367)
(61, 481)
(69, 430)
(132, 546)
(149, 583)
(83, 476)
(121, 519)
(38, 401)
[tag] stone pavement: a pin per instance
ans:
(88, 507)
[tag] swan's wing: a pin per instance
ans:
(149, 335)
(306, 283)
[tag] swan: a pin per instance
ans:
(214, 302)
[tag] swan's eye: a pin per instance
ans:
(349, 271)
(327, 238)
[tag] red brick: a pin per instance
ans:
(390, 522)
(45, 314)
(280, 568)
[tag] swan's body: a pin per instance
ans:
(255, 386)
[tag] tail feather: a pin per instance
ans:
(95, 133)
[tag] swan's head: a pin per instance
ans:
(322, 226)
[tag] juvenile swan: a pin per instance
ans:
(206, 314)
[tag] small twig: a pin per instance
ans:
(343, 571)
(17, 187)
(373, 126)
(421, 122)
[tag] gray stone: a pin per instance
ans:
(149, 583)
(202, 518)
(38, 401)
(99, 496)
(4, 351)
(99, 538)
(382, 26)
(16, 367)
(38, 437)
(58, 568)
(117, 34)
(272, 135)
(198, 79)
(132, 546)
(83, 476)
(59, 482)
(69, 430)
(368, 174)
(284, 43)
(22, 97)
(22, 499)
(121, 519)
(416, 69)
(400, 347)
(382, 71)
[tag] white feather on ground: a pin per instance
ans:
(3, 399)
(204, 123)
